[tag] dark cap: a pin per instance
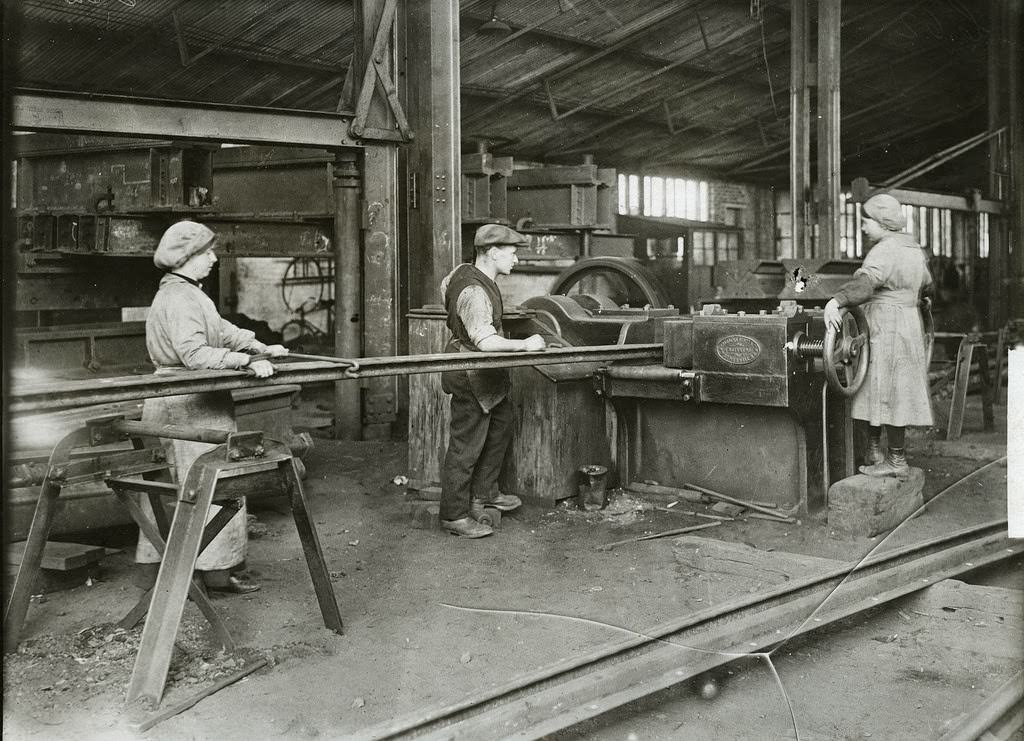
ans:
(496, 235)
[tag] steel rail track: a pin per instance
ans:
(999, 716)
(562, 696)
(24, 398)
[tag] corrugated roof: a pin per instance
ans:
(684, 85)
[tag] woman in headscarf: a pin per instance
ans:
(888, 287)
(184, 332)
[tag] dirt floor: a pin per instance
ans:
(431, 619)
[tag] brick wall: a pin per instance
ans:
(749, 206)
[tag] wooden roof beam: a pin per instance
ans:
(646, 23)
(887, 103)
(644, 78)
(730, 71)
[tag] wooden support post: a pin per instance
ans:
(433, 160)
(348, 288)
(829, 154)
(799, 128)
(381, 309)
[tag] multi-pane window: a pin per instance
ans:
(711, 247)
(662, 196)
(932, 227)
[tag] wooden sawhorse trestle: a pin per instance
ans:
(243, 463)
(970, 353)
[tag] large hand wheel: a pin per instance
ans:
(848, 349)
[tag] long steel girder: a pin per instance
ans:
(41, 397)
(33, 110)
(558, 698)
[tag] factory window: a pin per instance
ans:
(983, 234)
(710, 248)
(932, 227)
(649, 195)
(850, 237)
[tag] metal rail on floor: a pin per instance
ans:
(999, 716)
(42, 397)
(567, 694)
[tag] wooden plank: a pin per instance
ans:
(717, 557)
(145, 725)
(958, 397)
(59, 556)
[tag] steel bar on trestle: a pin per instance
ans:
(41, 397)
(174, 432)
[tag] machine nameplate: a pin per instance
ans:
(738, 349)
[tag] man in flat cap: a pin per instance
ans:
(184, 332)
(889, 284)
(481, 415)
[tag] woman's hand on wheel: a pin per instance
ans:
(833, 315)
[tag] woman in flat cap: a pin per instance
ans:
(888, 286)
(184, 332)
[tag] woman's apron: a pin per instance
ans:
(211, 410)
(895, 390)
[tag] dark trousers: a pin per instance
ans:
(476, 450)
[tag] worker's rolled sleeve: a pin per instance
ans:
(475, 311)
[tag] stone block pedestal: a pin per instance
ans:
(866, 505)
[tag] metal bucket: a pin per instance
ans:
(592, 492)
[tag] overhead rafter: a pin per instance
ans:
(679, 64)
(890, 139)
(516, 33)
(644, 110)
(536, 31)
(127, 42)
(780, 147)
(639, 110)
(646, 23)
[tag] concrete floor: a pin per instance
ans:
(431, 618)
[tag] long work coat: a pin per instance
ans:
(185, 332)
(895, 391)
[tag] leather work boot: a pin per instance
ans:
(504, 502)
(224, 581)
(476, 509)
(467, 527)
(875, 453)
(894, 464)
